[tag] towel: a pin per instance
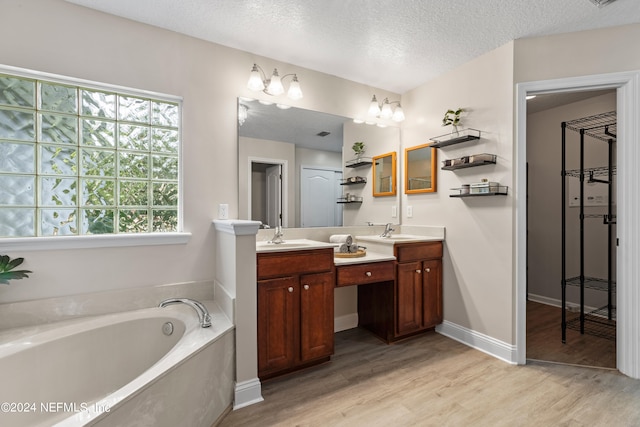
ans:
(342, 248)
(341, 238)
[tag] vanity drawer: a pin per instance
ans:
(406, 252)
(359, 274)
(279, 264)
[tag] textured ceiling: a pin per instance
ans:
(393, 45)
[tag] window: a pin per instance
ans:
(86, 159)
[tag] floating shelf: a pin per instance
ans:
(359, 162)
(354, 180)
(455, 138)
(494, 191)
(351, 199)
(469, 161)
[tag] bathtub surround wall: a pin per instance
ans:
(49, 310)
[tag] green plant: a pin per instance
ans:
(6, 269)
(358, 147)
(452, 117)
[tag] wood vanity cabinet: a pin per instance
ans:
(295, 310)
(418, 287)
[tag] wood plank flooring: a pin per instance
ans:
(431, 380)
(544, 340)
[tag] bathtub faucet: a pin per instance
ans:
(203, 313)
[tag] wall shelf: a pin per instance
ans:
(350, 199)
(494, 191)
(354, 180)
(469, 161)
(455, 138)
(358, 162)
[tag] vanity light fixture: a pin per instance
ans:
(385, 109)
(273, 86)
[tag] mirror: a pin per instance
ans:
(384, 175)
(420, 169)
(297, 155)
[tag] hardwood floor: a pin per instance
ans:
(544, 340)
(431, 380)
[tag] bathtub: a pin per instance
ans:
(119, 370)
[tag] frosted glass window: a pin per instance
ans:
(77, 160)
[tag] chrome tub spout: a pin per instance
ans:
(203, 314)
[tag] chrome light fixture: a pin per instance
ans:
(273, 86)
(385, 109)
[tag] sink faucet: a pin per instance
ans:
(387, 230)
(277, 236)
(203, 314)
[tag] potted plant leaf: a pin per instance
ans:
(358, 148)
(7, 271)
(452, 118)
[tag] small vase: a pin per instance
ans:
(454, 131)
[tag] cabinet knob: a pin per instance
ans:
(306, 287)
(290, 288)
(428, 270)
(368, 274)
(418, 271)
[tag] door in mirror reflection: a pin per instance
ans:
(420, 171)
(384, 175)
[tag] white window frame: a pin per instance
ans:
(101, 240)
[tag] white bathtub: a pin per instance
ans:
(118, 370)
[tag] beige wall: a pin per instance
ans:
(377, 141)
(478, 290)
(581, 53)
(54, 36)
(544, 152)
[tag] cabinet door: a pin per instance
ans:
(316, 315)
(409, 298)
(432, 292)
(278, 311)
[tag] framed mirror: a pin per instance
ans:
(420, 170)
(384, 175)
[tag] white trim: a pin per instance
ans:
(247, 393)
(237, 227)
(89, 84)
(285, 185)
(46, 243)
(484, 343)
(554, 302)
(348, 321)
(628, 197)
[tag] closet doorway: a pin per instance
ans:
(586, 334)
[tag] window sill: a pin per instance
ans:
(92, 241)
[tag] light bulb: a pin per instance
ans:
(386, 111)
(275, 85)
(255, 82)
(398, 114)
(295, 92)
(374, 108)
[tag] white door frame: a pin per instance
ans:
(628, 209)
(285, 185)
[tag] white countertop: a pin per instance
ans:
(292, 245)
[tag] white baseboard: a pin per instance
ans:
(348, 321)
(482, 342)
(571, 306)
(247, 393)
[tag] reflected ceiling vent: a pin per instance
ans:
(323, 133)
(601, 3)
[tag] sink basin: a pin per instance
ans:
(394, 238)
(291, 245)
